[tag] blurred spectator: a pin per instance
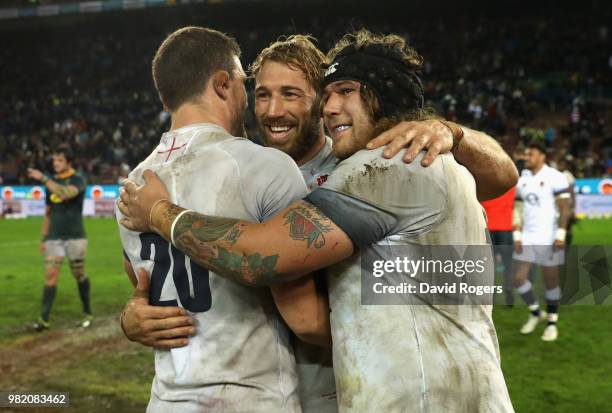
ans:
(88, 82)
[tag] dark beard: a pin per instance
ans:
(306, 136)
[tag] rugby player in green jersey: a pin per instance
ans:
(62, 232)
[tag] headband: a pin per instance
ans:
(396, 85)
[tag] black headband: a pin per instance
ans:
(396, 85)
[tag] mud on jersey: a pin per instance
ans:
(420, 358)
(240, 359)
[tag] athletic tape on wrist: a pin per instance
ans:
(517, 235)
(560, 235)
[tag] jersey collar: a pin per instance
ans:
(66, 174)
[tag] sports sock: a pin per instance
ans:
(84, 293)
(526, 292)
(47, 301)
(553, 298)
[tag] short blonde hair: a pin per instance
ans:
(297, 51)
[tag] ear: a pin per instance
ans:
(221, 84)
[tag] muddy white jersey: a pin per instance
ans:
(413, 357)
(540, 212)
(240, 360)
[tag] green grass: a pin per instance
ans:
(103, 371)
(21, 274)
(100, 369)
(573, 374)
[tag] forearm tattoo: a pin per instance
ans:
(306, 223)
(63, 191)
(209, 240)
(212, 243)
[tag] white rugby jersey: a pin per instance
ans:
(413, 357)
(540, 212)
(240, 360)
(317, 170)
(316, 388)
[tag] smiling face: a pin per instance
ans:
(346, 118)
(286, 109)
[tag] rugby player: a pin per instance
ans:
(287, 106)
(63, 233)
(542, 211)
(239, 359)
(387, 357)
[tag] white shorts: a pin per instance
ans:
(74, 249)
(543, 255)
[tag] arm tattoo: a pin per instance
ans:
(171, 212)
(207, 229)
(306, 222)
(63, 191)
(209, 240)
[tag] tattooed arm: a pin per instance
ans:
(295, 242)
(64, 192)
(298, 240)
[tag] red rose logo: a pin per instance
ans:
(321, 179)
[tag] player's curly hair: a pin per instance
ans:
(363, 38)
(297, 51)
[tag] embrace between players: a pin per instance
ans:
(230, 243)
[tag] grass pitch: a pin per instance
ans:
(103, 371)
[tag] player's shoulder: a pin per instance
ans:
(368, 175)
(78, 176)
(77, 179)
(253, 157)
(258, 153)
(556, 178)
(375, 167)
(554, 172)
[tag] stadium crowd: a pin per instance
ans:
(548, 77)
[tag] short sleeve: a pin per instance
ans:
(271, 181)
(519, 189)
(79, 182)
(370, 197)
(559, 183)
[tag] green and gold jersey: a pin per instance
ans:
(66, 218)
